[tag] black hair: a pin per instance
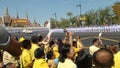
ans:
(50, 54)
(63, 54)
(26, 43)
(39, 53)
(60, 44)
(51, 43)
(83, 60)
(34, 39)
(40, 37)
(94, 40)
(102, 65)
(75, 43)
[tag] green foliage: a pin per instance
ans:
(93, 17)
(53, 23)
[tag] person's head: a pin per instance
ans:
(34, 39)
(77, 37)
(51, 43)
(40, 38)
(113, 48)
(39, 53)
(66, 52)
(26, 44)
(74, 43)
(96, 42)
(83, 60)
(103, 58)
(59, 41)
(11, 65)
(41, 45)
(9, 43)
(50, 55)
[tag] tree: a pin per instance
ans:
(70, 15)
(53, 24)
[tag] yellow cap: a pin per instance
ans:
(21, 39)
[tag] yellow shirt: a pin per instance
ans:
(40, 63)
(67, 64)
(76, 51)
(117, 60)
(25, 58)
(55, 51)
(33, 48)
(79, 44)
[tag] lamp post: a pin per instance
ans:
(55, 19)
(79, 5)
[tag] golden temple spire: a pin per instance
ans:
(17, 15)
(6, 12)
(27, 15)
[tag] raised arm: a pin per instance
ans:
(66, 37)
(71, 38)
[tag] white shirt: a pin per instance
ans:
(8, 58)
(93, 49)
(67, 64)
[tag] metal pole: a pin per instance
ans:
(79, 5)
(55, 19)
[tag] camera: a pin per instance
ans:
(65, 30)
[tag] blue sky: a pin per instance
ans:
(42, 10)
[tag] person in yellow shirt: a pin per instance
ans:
(55, 51)
(34, 46)
(39, 59)
(117, 59)
(76, 49)
(79, 42)
(25, 58)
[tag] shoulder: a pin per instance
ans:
(92, 46)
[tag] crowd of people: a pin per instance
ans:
(106, 28)
(46, 52)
